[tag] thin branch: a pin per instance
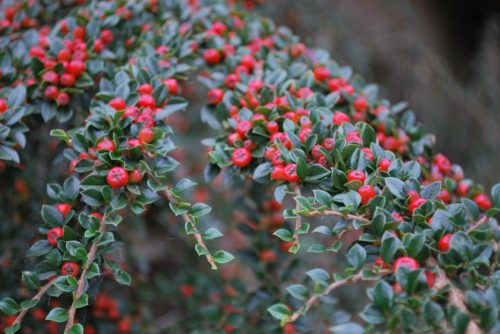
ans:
(335, 285)
(337, 214)
(81, 282)
(480, 222)
(41, 292)
(196, 232)
(298, 220)
(455, 296)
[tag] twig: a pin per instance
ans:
(480, 222)
(82, 280)
(36, 297)
(298, 220)
(455, 296)
(335, 285)
(197, 234)
(337, 214)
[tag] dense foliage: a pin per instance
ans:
(350, 173)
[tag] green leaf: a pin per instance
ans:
(396, 187)
(39, 248)
(383, 295)
(284, 234)
(433, 313)
(350, 328)
(57, 314)
(212, 233)
(431, 191)
(356, 256)
(30, 278)
(200, 209)
(9, 306)
(82, 301)
(122, 277)
(279, 311)
(76, 329)
(297, 291)
(323, 198)
(51, 216)
(318, 275)
(222, 257)
(60, 134)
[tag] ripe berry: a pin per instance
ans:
(215, 96)
(367, 193)
(145, 89)
(445, 242)
(105, 144)
(63, 208)
(70, 268)
(64, 55)
(107, 36)
(360, 104)
(356, 175)
(321, 73)
(231, 80)
(415, 204)
(54, 234)
(67, 79)
(76, 67)
(51, 77)
(241, 157)
(272, 127)
(117, 177)
(135, 176)
(483, 201)
(146, 135)
(430, 278)
(406, 261)
(278, 173)
(3, 105)
(211, 56)
(172, 85)
(384, 164)
(51, 92)
(444, 195)
(117, 103)
(243, 127)
(146, 101)
(290, 173)
(340, 117)
(328, 143)
(63, 99)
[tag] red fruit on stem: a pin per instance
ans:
(135, 176)
(3, 106)
(146, 101)
(146, 135)
(356, 175)
(54, 234)
(290, 173)
(70, 268)
(241, 157)
(117, 103)
(67, 79)
(212, 56)
(384, 164)
(215, 96)
(63, 208)
(415, 204)
(76, 67)
(51, 92)
(406, 261)
(105, 144)
(340, 117)
(172, 85)
(117, 177)
(445, 242)
(367, 193)
(483, 201)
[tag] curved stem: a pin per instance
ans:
(298, 219)
(41, 292)
(480, 222)
(81, 282)
(337, 214)
(196, 232)
(455, 296)
(335, 285)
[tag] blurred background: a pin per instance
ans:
(441, 56)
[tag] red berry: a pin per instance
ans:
(340, 117)
(272, 127)
(278, 173)
(172, 85)
(367, 193)
(416, 203)
(243, 127)
(107, 36)
(406, 261)
(241, 157)
(63, 208)
(105, 144)
(70, 268)
(79, 32)
(231, 80)
(145, 89)
(76, 67)
(321, 73)
(51, 92)
(146, 101)
(215, 96)
(445, 242)
(117, 103)
(443, 163)
(3, 105)
(384, 164)
(356, 175)
(483, 201)
(97, 215)
(290, 173)
(430, 277)
(444, 195)
(135, 176)
(54, 234)
(67, 79)
(211, 56)
(63, 99)
(146, 135)
(64, 55)
(117, 177)
(50, 76)
(360, 104)
(328, 143)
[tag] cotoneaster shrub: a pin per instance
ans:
(288, 121)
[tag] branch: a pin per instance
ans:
(337, 214)
(197, 234)
(298, 220)
(480, 222)
(335, 285)
(81, 282)
(36, 297)
(455, 296)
